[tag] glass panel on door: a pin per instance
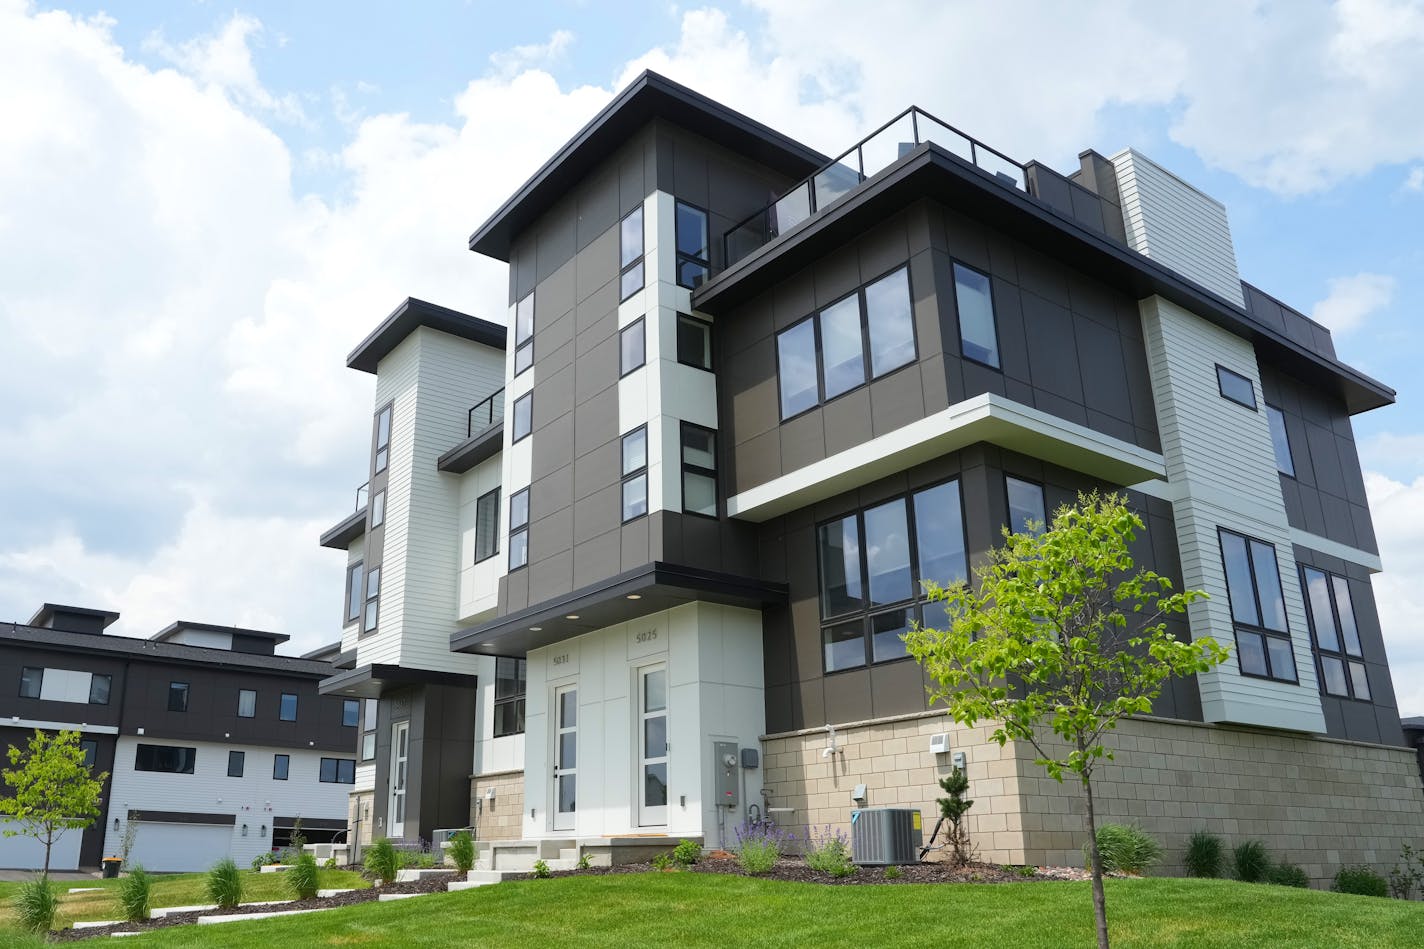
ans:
(653, 745)
(400, 762)
(565, 757)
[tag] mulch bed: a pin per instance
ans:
(795, 870)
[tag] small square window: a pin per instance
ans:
(177, 696)
(1236, 387)
(694, 342)
(632, 347)
(281, 766)
(523, 417)
(350, 713)
(236, 760)
(246, 703)
(287, 711)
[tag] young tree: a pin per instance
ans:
(1062, 637)
(52, 790)
(952, 808)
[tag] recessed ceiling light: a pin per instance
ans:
(635, 596)
(536, 629)
(571, 616)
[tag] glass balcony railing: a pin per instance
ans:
(363, 495)
(862, 161)
(485, 413)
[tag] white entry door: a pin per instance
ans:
(565, 756)
(400, 759)
(652, 746)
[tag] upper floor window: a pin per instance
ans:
(524, 333)
(694, 259)
(90, 748)
(350, 713)
(509, 689)
(487, 525)
(518, 529)
(1258, 608)
(872, 565)
(632, 347)
(246, 703)
(1337, 636)
(378, 509)
(699, 470)
(177, 696)
(287, 710)
(31, 682)
(368, 730)
(974, 300)
(99, 688)
(354, 594)
(383, 438)
(1280, 440)
(281, 767)
(1026, 507)
(635, 473)
(236, 760)
(337, 771)
(168, 759)
(694, 342)
(1236, 387)
(630, 254)
(523, 417)
(373, 601)
(825, 355)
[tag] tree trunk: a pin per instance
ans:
(49, 844)
(1100, 902)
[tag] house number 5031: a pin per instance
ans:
(561, 659)
(647, 637)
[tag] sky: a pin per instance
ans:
(204, 208)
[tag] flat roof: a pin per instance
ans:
(47, 612)
(346, 530)
(178, 626)
(648, 97)
(410, 316)
(15, 634)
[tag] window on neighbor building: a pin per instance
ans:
(509, 689)
(694, 260)
(99, 688)
(246, 703)
(177, 696)
(1337, 636)
(167, 759)
(1258, 607)
(354, 595)
(281, 766)
(378, 510)
(630, 254)
(1025, 505)
(287, 708)
(634, 446)
(90, 748)
(694, 342)
(383, 438)
(519, 529)
(974, 301)
(350, 713)
(1236, 387)
(523, 417)
(699, 470)
(31, 682)
(368, 731)
(524, 333)
(1280, 440)
(337, 771)
(632, 347)
(235, 762)
(487, 525)
(373, 601)
(872, 566)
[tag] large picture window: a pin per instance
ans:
(630, 254)
(978, 331)
(487, 526)
(1258, 608)
(166, 759)
(509, 689)
(337, 771)
(524, 333)
(694, 259)
(1337, 636)
(873, 564)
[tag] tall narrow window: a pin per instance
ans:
(523, 417)
(630, 254)
(31, 682)
(281, 767)
(693, 250)
(699, 470)
(368, 730)
(378, 510)
(1280, 440)
(99, 687)
(350, 713)
(890, 322)
(524, 333)
(1026, 508)
(90, 747)
(1337, 636)
(354, 593)
(518, 529)
(635, 473)
(373, 601)
(978, 333)
(1236, 387)
(177, 696)
(842, 347)
(287, 708)
(632, 347)
(509, 689)
(1258, 609)
(796, 368)
(246, 703)
(487, 526)
(235, 762)
(694, 342)
(383, 438)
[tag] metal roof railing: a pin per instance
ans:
(485, 413)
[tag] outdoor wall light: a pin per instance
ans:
(635, 596)
(263, 830)
(116, 823)
(536, 629)
(244, 830)
(572, 616)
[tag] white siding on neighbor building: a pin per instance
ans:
(1222, 471)
(1176, 224)
(254, 799)
(479, 582)
(26, 853)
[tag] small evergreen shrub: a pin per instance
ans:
(1250, 862)
(829, 852)
(1361, 881)
(541, 870)
(135, 893)
(380, 861)
(1288, 874)
(462, 851)
(36, 905)
(225, 884)
(759, 845)
(1206, 855)
(687, 852)
(1126, 848)
(302, 878)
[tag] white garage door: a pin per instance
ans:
(172, 848)
(26, 853)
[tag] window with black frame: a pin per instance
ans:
(524, 333)
(634, 452)
(519, 529)
(872, 568)
(368, 730)
(978, 330)
(90, 748)
(523, 423)
(1026, 506)
(1280, 440)
(177, 696)
(1337, 636)
(1258, 608)
(31, 682)
(632, 347)
(509, 688)
(694, 342)
(630, 254)
(487, 525)
(383, 438)
(373, 601)
(694, 260)
(699, 470)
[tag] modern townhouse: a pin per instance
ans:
(643, 568)
(214, 745)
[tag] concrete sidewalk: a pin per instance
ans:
(59, 876)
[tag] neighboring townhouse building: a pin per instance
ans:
(214, 745)
(643, 569)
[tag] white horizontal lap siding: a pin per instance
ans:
(27, 853)
(1220, 460)
(479, 582)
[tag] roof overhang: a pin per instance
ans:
(47, 612)
(182, 625)
(410, 316)
(930, 172)
(650, 588)
(374, 680)
(350, 528)
(648, 97)
(479, 447)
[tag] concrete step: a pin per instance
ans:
(329, 893)
(247, 917)
(415, 875)
(392, 897)
(467, 885)
(495, 876)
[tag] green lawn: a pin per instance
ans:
(178, 889)
(687, 910)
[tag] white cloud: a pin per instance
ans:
(510, 62)
(1414, 181)
(1352, 300)
(223, 63)
(1398, 509)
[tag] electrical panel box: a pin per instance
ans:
(724, 766)
(751, 758)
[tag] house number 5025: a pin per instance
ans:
(647, 637)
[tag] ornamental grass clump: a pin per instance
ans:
(225, 884)
(1206, 855)
(135, 895)
(759, 845)
(36, 905)
(381, 862)
(1251, 862)
(1126, 848)
(462, 851)
(302, 878)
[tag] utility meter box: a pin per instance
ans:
(725, 763)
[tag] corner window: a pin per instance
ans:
(630, 254)
(699, 470)
(632, 347)
(246, 703)
(177, 696)
(1025, 506)
(165, 759)
(694, 342)
(523, 417)
(524, 334)
(99, 688)
(1280, 441)
(31, 682)
(353, 592)
(90, 748)
(373, 601)
(287, 709)
(518, 529)
(1236, 387)
(378, 509)
(383, 438)
(281, 766)
(368, 731)
(337, 771)
(236, 760)
(974, 300)
(889, 322)
(350, 713)
(487, 526)
(872, 566)
(635, 473)
(1258, 608)
(509, 689)
(693, 252)
(1337, 636)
